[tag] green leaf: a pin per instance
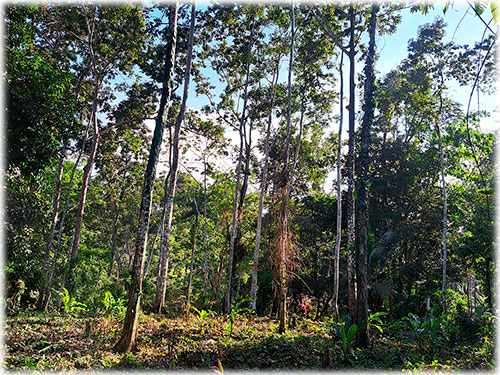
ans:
(446, 6)
(495, 11)
(342, 336)
(377, 314)
(350, 334)
(479, 7)
(378, 327)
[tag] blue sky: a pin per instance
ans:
(463, 27)
(462, 31)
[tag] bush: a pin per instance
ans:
(70, 305)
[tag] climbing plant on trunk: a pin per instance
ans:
(128, 337)
(364, 183)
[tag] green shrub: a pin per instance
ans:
(69, 304)
(113, 306)
(236, 310)
(202, 315)
(347, 334)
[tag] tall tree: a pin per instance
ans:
(351, 233)
(350, 51)
(363, 182)
(52, 230)
(170, 182)
(206, 140)
(263, 186)
(46, 295)
(127, 340)
(105, 50)
(338, 238)
(284, 241)
(236, 204)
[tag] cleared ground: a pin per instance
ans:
(63, 343)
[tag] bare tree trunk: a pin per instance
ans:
(219, 274)
(205, 240)
(127, 340)
(299, 141)
(163, 213)
(115, 209)
(161, 283)
(87, 171)
(239, 247)
(336, 271)
(263, 186)
(61, 226)
(368, 119)
(151, 252)
(351, 265)
(195, 232)
(227, 302)
(445, 220)
(50, 240)
(164, 249)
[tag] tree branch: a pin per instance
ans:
(319, 16)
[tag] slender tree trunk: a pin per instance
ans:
(362, 253)
(87, 171)
(445, 221)
(161, 283)
(445, 206)
(116, 211)
(351, 265)
(246, 174)
(114, 238)
(165, 256)
(190, 280)
(61, 226)
(205, 236)
(164, 248)
(299, 142)
(336, 270)
(127, 340)
(163, 212)
(151, 252)
(227, 302)
(284, 240)
(219, 274)
(50, 240)
(239, 248)
(263, 187)
(443, 187)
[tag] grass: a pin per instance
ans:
(64, 343)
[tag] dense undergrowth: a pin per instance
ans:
(199, 342)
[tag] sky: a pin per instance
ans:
(468, 30)
(463, 27)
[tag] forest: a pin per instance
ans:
(233, 186)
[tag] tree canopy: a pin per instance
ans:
(179, 189)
